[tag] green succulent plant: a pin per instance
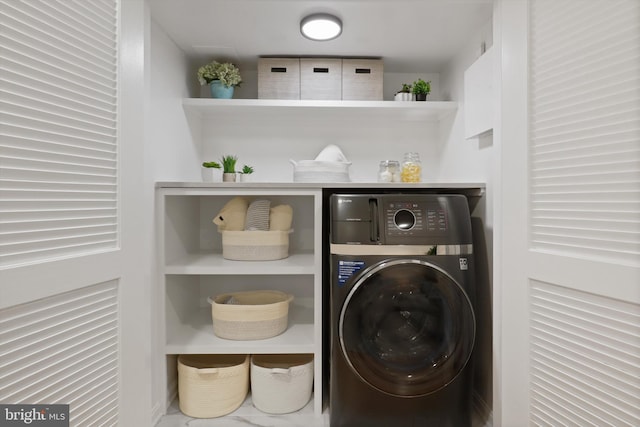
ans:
(229, 163)
(421, 87)
(214, 165)
(406, 88)
(247, 170)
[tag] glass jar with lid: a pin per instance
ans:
(411, 168)
(389, 171)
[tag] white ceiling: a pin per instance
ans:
(410, 35)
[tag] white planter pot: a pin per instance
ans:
(228, 177)
(207, 174)
(403, 96)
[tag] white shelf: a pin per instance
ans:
(371, 110)
(195, 335)
(212, 263)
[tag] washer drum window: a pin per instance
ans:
(407, 328)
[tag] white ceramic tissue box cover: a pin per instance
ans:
(281, 390)
(278, 78)
(362, 79)
(321, 78)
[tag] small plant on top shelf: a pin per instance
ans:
(403, 94)
(222, 78)
(227, 73)
(421, 89)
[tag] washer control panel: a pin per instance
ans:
(405, 218)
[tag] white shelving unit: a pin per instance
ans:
(393, 110)
(193, 269)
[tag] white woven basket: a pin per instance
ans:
(281, 383)
(212, 385)
(250, 315)
(255, 245)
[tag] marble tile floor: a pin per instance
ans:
(246, 416)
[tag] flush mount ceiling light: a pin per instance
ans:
(321, 27)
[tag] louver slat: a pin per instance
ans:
(64, 349)
(585, 358)
(585, 128)
(58, 129)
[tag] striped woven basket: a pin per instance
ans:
(281, 383)
(250, 315)
(212, 385)
(255, 245)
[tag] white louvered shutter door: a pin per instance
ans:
(58, 129)
(584, 212)
(61, 263)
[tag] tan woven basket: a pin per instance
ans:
(212, 385)
(250, 315)
(281, 383)
(255, 245)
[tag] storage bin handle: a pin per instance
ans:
(205, 371)
(280, 370)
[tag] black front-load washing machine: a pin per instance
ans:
(402, 318)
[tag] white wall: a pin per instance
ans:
(473, 160)
(267, 143)
(172, 154)
(174, 146)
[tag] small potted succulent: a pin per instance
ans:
(421, 89)
(404, 94)
(245, 172)
(222, 78)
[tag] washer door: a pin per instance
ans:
(407, 328)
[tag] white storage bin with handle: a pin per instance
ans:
(281, 383)
(212, 385)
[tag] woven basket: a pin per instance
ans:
(281, 383)
(255, 245)
(212, 385)
(250, 315)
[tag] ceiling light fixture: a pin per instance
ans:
(321, 27)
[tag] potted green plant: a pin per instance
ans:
(207, 175)
(245, 172)
(228, 166)
(421, 89)
(222, 78)
(404, 94)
